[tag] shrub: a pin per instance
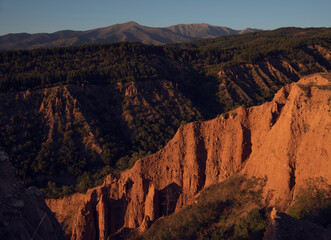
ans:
(251, 227)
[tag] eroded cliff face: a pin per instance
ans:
(246, 83)
(285, 141)
(23, 212)
(56, 134)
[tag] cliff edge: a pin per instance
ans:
(285, 141)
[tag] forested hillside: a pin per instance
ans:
(69, 116)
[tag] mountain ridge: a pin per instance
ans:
(129, 31)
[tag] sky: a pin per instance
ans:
(34, 16)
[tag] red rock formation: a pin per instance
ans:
(285, 141)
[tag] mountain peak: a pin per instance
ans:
(130, 23)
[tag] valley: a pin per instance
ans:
(128, 140)
(72, 115)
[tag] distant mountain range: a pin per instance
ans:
(130, 31)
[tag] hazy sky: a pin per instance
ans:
(52, 15)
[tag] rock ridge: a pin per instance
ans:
(276, 141)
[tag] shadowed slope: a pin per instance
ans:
(23, 212)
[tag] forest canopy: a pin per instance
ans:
(132, 61)
(196, 94)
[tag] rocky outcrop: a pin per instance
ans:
(276, 141)
(23, 212)
(283, 226)
(98, 121)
